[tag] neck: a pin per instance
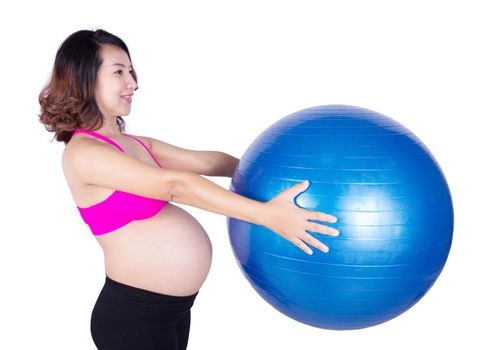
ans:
(110, 128)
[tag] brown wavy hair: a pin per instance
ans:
(68, 100)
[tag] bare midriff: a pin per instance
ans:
(169, 253)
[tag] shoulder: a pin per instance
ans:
(84, 148)
(77, 143)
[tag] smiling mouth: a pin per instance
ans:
(127, 98)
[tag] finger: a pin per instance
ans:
(304, 185)
(301, 245)
(323, 229)
(297, 189)
(319, 216)
(312, 241)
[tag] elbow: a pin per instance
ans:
(178, 186)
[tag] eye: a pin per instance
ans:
(119, 72)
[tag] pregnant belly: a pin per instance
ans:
(169, 253)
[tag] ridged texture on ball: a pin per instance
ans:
(393, 207)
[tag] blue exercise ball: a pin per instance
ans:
(394, 211)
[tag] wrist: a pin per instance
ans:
(260, 215)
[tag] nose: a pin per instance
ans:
(131, 83)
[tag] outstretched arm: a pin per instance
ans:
(97, 164)
(209, 163)
(280, 214)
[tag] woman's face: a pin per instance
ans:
(115, 84)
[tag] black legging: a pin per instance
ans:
(130, 318)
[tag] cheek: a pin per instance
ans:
(107, 91)
(109, 97)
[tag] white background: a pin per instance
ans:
(213, 75)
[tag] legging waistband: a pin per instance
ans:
(131, 291)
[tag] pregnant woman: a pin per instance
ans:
(157, 256)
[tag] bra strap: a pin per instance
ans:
(97, 135)
(143, 144)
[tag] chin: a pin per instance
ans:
(124, 113)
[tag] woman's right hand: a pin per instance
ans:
(291, 222)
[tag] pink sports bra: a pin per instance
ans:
(120, 208)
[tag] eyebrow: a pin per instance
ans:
(121, 65)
